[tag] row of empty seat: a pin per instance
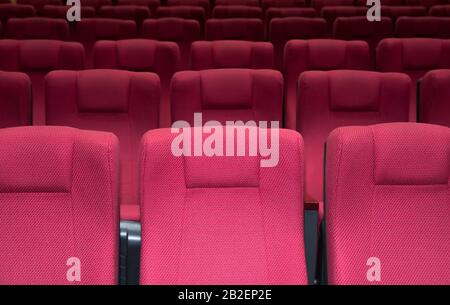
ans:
(224, 220)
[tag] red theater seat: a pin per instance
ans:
(152, 4)
(266, 4)
(385, 3)
(434, 98)
(330, 13)
(160, 57)
(201, 3)
(319, 4)
(386, 207)
(440, 11)
(185, 12)
(96, 4)
(258, 239)
(8, 11)
(426, 3)
(237, 2)
(59, 194)
(60, 11)
(394, 12)
(128, 12)
(281, 12)
(237, 11)
(231, 54)
(181, 31)
(319, 54)
(227, 94)
(415, 57)
(122, 102)
(15, 99)
(37, 28)
(36, 58)
(433, 27)
(39, 4)
(235, 29)
(330, 99)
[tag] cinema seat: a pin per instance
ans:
(440, 11)
(235, 29)
(330, 99)
(281, 12)
(8, 11)
(386, 207)
(319, 4)
(330, 13)
(394, 12)
(434, 98)
(237, 11)
(257, 240)
(281, 30)
(237, 2)
(426, 3)
(385, 3)
(160, 57)
(266, 4)
(60, 11)
(415, 57)
(96, 4)
(36, 58)
(127, 12)
(200, 3)
(181, 31)
(59, 194)
(432, 27)
(222, 54)
(39, 4)
(227, 94)
(152, 4)
(122, 102)
(185, 12)
(37, 28)
(319, 54)
(15, 99)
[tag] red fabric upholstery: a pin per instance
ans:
(227, 94)
(266, 4)
(434, 100)
(152, 4)
(235, 29)
(128, 12)
(413, 56)
(394, 12)
(39, 4)
(96, 4)
(36, 58)
(385, 3)
(37, 28)
(426, 3)
(15, 99)
(8, 11)
(440, 10)
(330, 99)
(433, 27)
(59, 195)
(231, 54)
(330, 13)
(319, 4)
(281, 12)
(385, 201)
(242, 226)
(319, 54)
(237, 2)
(185, 12)
(237, 11)
(160, 57)
(181, 31)
(122, 102)
(202, 3)
(60, 11)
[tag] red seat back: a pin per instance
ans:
(15, 99)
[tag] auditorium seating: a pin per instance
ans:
(36, 58)
(152, 4)
(59, 193)
(235, 29)
(415, 57)
(181, 31)
(258, 239)
(237, 11)
(201, 3)
(15, 99)
(386, 205)
(319, 4)
(60, 11)
(434, 98)
(385, 3)
(39, 4)
(185, 12)
(319, 54)
(330, 13)
(440, 11)
(96, 4)
(266, 4)
(160, 57)
(127, 12)
(237, 2)
(426, 3)
(394, 12)
(432, 27)
(8, 11)
(37, 28)
(231, 54)
(282, 12)
(227, 94)
(330, 99)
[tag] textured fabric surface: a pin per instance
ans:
(434, 99)
(215, 232)
(330, 13)
(237, 2)
(39, 4)
(37, 28)
(201, 3)
(152, 4)
(58, 199)
(231, 54)
(185, 12)
(227, 94)
(237, 11)
(440, 11)
(394, 12)
(8, 11)
(15, 99)
(402, 222)
(281, 12)
(319, 4)
(330, 99)
(266, 4)
(136, 13)
(96, 4)
(433, 27)
(235, 29)
(122, 102)
(319, 54)
(60, 11)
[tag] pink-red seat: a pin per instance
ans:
(394, 12)
(59, 194)
(319, 54)
(330, 13)
(237, 11)
(222, 54)
(432, 27)
(426, 3)
(128, 12)
(385, 3)
(227, 94)
(122, 102)
(387, 196)
(222, 220)
(37, 58)
(185, 12)
(281, 12)
(60, 11)
(235, 29)
(281, 30)
(181, 31)
(319, 4)
(96, 4)
(415, 57)
(200, 3)
(8, 11)
(440, 10)
(152, 4)
(266, 4)
(39, 4)
(15, 99)
(434, 98)
(330, 99)
(237, 2)
(37, 28)
(160, 57)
